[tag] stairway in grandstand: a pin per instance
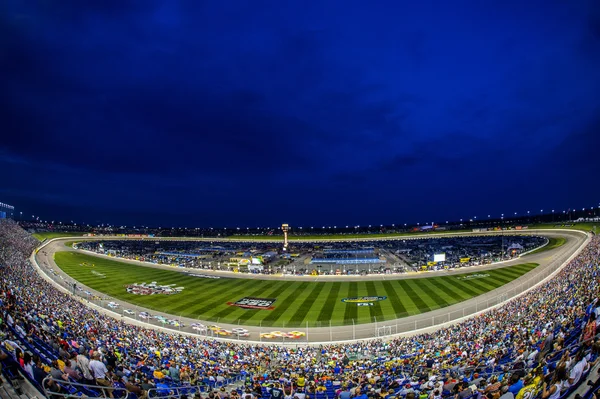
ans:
(17, 389)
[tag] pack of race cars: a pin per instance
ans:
(147, 316)
(210, 330)
(240, 332)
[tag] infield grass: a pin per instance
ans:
(48, 235)
(298, 303)
(553, 242)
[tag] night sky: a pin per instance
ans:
(254, 113)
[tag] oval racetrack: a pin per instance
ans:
(548, 262)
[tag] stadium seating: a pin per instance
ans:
(538, 333)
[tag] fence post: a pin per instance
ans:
(353, 330)
(330, 332)
(306, 330)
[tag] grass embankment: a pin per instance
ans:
(553, 242)
(48, 235)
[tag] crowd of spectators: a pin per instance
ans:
(542, 343)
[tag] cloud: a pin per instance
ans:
(131, 107)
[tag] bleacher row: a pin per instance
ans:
(12, 370)
(166, 388)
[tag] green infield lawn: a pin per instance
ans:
(583, 226)
(297, 304)
(48, 235)
(553, 242)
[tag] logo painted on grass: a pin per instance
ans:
(365, 304)
(101, 275)
(192, 274)
(254, 303)
(472, 276)
(152, 289)
(364, 299)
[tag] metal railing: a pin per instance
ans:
(73, 389)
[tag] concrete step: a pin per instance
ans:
(7, 391)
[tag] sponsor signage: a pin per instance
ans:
(192, 274)
(101, 275)
(364, 299)
(439, 257)
(472, 276)
(152, 289)
(365, 304)
(254, 303)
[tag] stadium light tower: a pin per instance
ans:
(285, 228)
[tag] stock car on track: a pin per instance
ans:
(297, 334)
(144, 315)
(176, 323)
(199, 327)
(128, 311)
(113, 305)
(280, 334)
(220, 331)
(267, 335)
(240, 332)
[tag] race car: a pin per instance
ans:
(113, 305)
(296, 334)
(214, 327)
(198, 327)
(267, 335)
(240, 332)
(144, 315)
(176, 323)
(223, 332)
(128, 311)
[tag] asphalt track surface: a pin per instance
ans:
(549, 261)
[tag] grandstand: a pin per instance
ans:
(6, 211)
(359, 256)
(380, 256)
(542, 344)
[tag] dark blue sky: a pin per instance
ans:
(252, 113)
